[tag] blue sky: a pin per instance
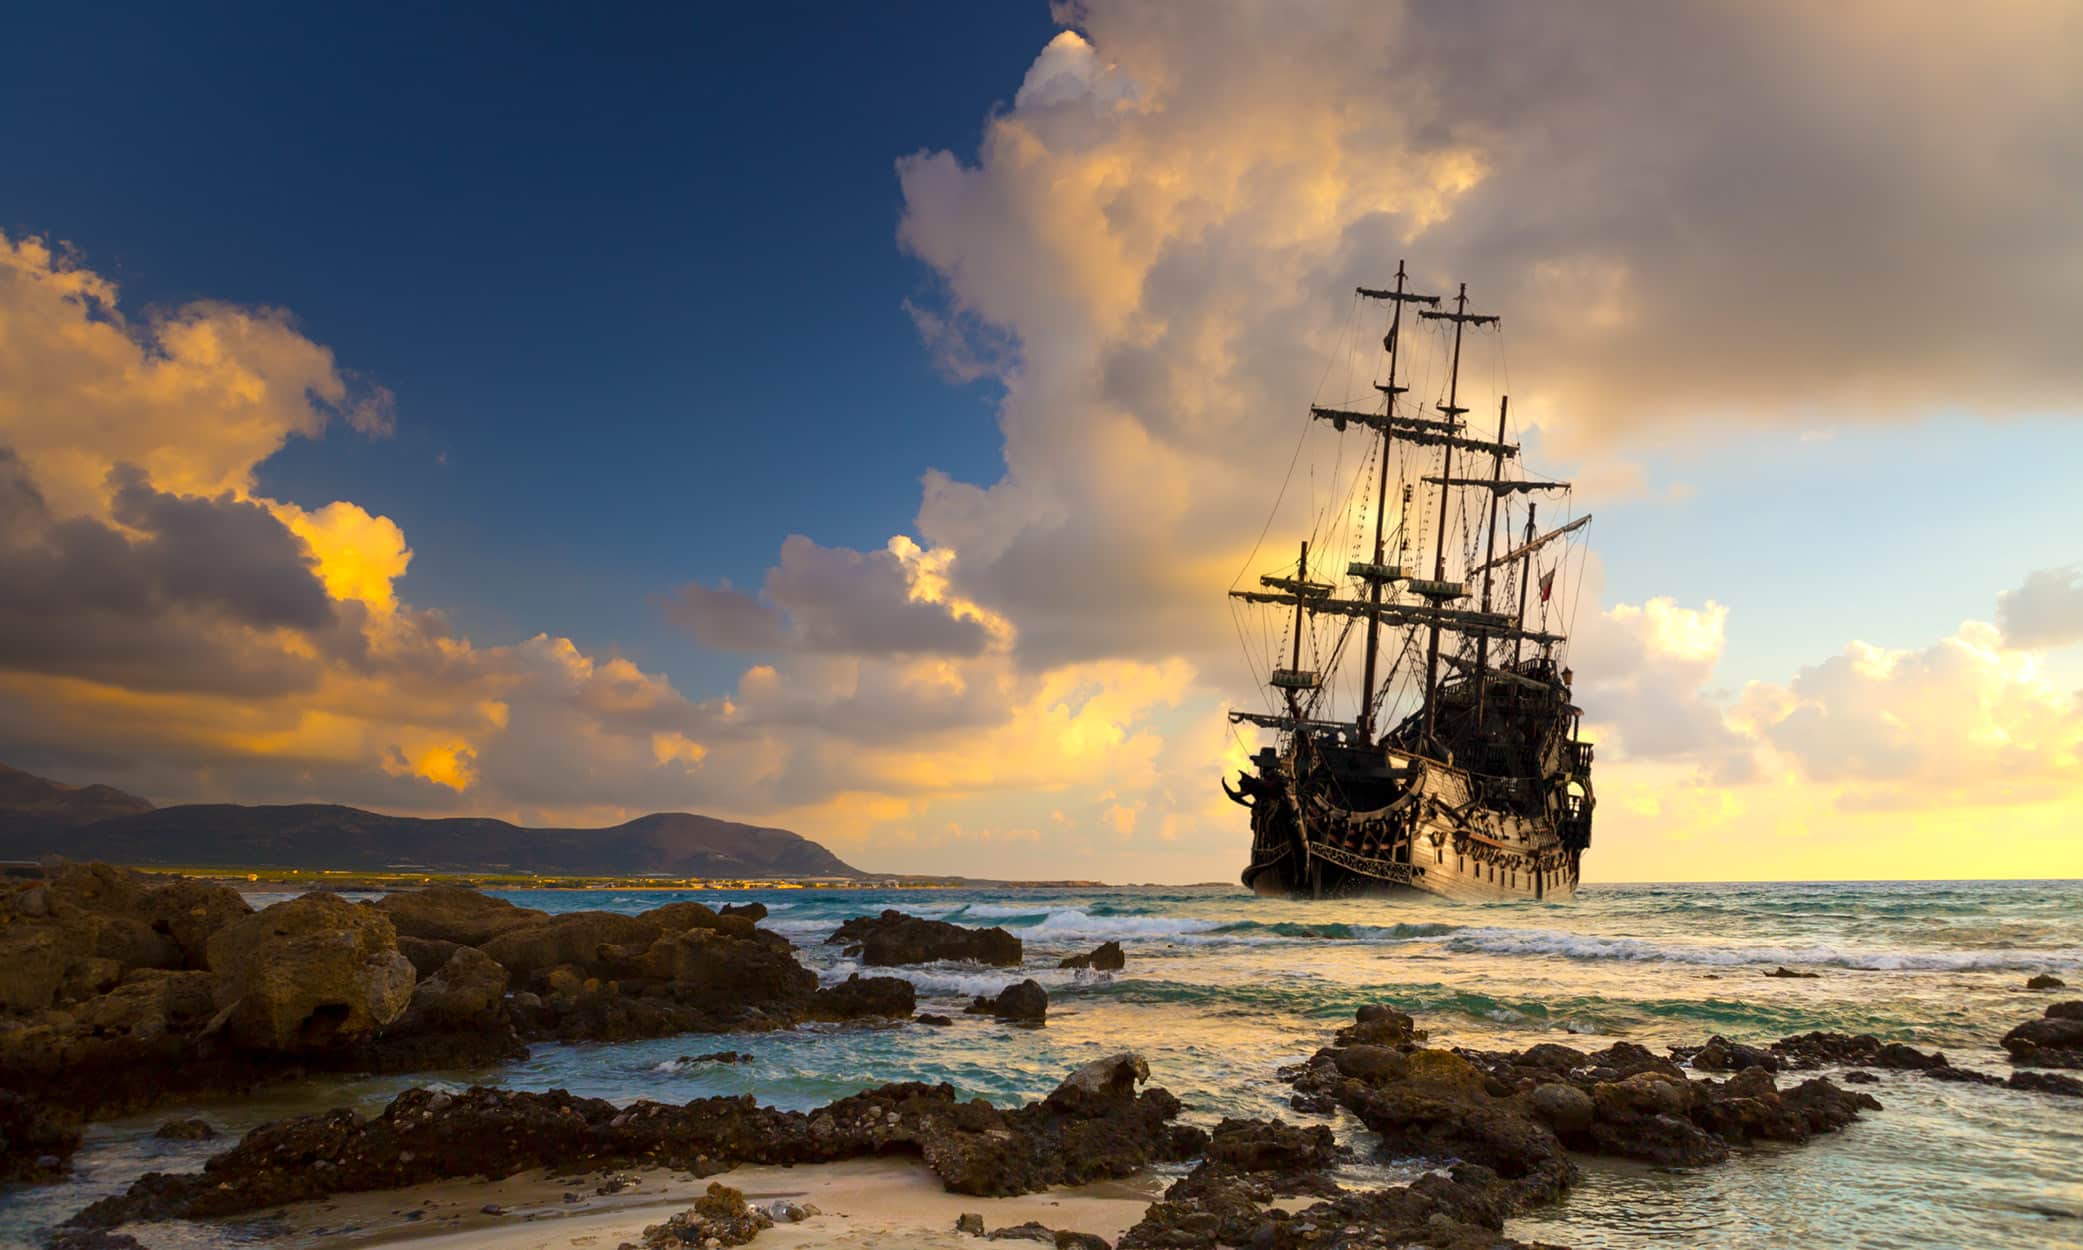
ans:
(634, 281)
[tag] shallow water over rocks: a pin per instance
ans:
(1220, 989)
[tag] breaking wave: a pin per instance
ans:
(1494, 941)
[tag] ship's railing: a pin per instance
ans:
(1580, 756)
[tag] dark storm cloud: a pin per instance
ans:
(174, 604)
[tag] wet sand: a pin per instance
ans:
(866, 1203)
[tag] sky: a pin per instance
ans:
(851, 418)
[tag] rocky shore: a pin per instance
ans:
(119, 990)
(1504, 1127)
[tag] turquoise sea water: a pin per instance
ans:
(1222, 988)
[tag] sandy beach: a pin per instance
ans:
(868, 1203)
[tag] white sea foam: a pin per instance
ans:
(952, 980)
(1002, 911)
(1083, 926)
(1495, 941)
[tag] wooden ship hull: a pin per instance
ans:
(1430, 835)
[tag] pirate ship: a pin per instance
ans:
(1479, 787)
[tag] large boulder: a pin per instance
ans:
(455, 913)
(681, 916)
(467, 992)
(1101, 1084)
(2055, 1040)
(598, 942)
(728, 968)
(1025, 1002)
(312, 974)
(187, 912)
(894, 938)
(859, 996)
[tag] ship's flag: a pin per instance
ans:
(1547, 584)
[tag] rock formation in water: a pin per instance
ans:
(1023, 1002)
(894, 938)
(2055, 1040)
(1106, 957)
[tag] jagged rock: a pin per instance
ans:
(1271, 1146)
(1791, 975)
(455, 913)
(597, 942)
(718, 1218)
(858, 996)
(754, 912)
(426, 1136)
(191, 1129)
(1380, 1025)
(1722, 1055)
(467, 992)
(971, 1223)
(1098, 1086)
(1023, 1003)
(2055, 1040)
(1106, 957)
(188, 912)
(1814, 1050)
(2046, 981)
(308, 975)
(894, 938)
(927, 1017)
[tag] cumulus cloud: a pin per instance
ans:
(1961, 720)
(1644, 673)
(2046, 611)
(829, 599)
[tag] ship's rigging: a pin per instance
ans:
(1460, 727)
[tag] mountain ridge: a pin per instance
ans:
(329, 835)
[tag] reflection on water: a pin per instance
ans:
(1222, 988)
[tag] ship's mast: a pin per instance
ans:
(1294, 704)
(1525, 572)
(1462, 319)
(1482, 641)
(1397, 299)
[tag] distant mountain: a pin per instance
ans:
(31, 802)
(321, 835)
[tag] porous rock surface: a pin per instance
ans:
(1099, 1128)
(894, 938)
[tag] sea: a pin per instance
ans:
(1222, 988)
